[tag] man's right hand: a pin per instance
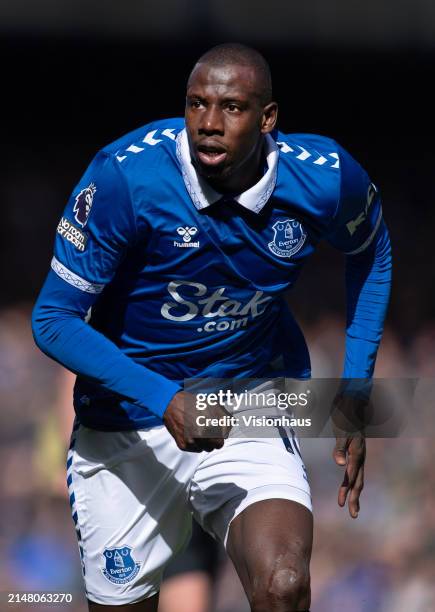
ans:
(180, 420)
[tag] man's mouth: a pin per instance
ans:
(211, 155)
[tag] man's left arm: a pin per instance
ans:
(358, 230)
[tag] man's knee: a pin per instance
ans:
(285, 588)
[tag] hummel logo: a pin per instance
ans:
(187, 233)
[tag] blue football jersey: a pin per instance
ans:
(189, 283)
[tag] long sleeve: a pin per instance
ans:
(97, 228)
(359, 231)
(368, 282)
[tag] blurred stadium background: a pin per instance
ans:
(76, 75)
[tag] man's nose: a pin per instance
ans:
(212, 121)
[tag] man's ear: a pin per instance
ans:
(269, 117)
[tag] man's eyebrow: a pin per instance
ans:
(227, 98)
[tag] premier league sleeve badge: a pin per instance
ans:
(83, 204)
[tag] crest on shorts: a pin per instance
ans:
(83, 204)
(120, 565)
(289, 237)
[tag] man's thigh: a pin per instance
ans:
(270, 545)
(128, 492)
(253, 495)
(242, 473)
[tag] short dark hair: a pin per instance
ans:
(242, 55)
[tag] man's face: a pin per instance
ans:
(225, 121)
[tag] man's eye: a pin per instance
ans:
(233, 107)
(195, 104)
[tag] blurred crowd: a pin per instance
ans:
(382, 562)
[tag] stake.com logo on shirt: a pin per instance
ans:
(215, 305)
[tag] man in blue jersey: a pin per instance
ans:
(171, 262)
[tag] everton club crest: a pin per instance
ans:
(83, 204)
(120, 565)
(288, 239)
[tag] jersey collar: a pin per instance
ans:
(254, 198)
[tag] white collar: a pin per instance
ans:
(204, 195)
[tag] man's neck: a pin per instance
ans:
(245, 176)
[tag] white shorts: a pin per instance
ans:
(133, 494)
